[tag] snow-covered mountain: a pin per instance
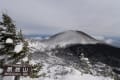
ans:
(75, 55)
(71, 37)
(64, 38)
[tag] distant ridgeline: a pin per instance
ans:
(37, 36)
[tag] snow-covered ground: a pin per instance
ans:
(53, 67)
(66, 73)
(58, 72)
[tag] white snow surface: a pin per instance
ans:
(77, 75)
(58, 72)
(9, 40)
(54, 69)
(18, 48)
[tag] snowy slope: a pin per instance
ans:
(72, 74)
(36, 45)
(55, 68)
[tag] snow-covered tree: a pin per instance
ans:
(85, 63)
(13, 47)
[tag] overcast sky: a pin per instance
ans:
(98, 17)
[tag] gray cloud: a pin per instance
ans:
(100, 17)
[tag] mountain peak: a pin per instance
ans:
(71, 37)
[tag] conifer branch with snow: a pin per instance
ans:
(12, 44)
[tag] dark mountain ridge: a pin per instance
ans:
(103, 53)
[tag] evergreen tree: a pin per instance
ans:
(85, 63)
(10, 40)
(8, 22)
